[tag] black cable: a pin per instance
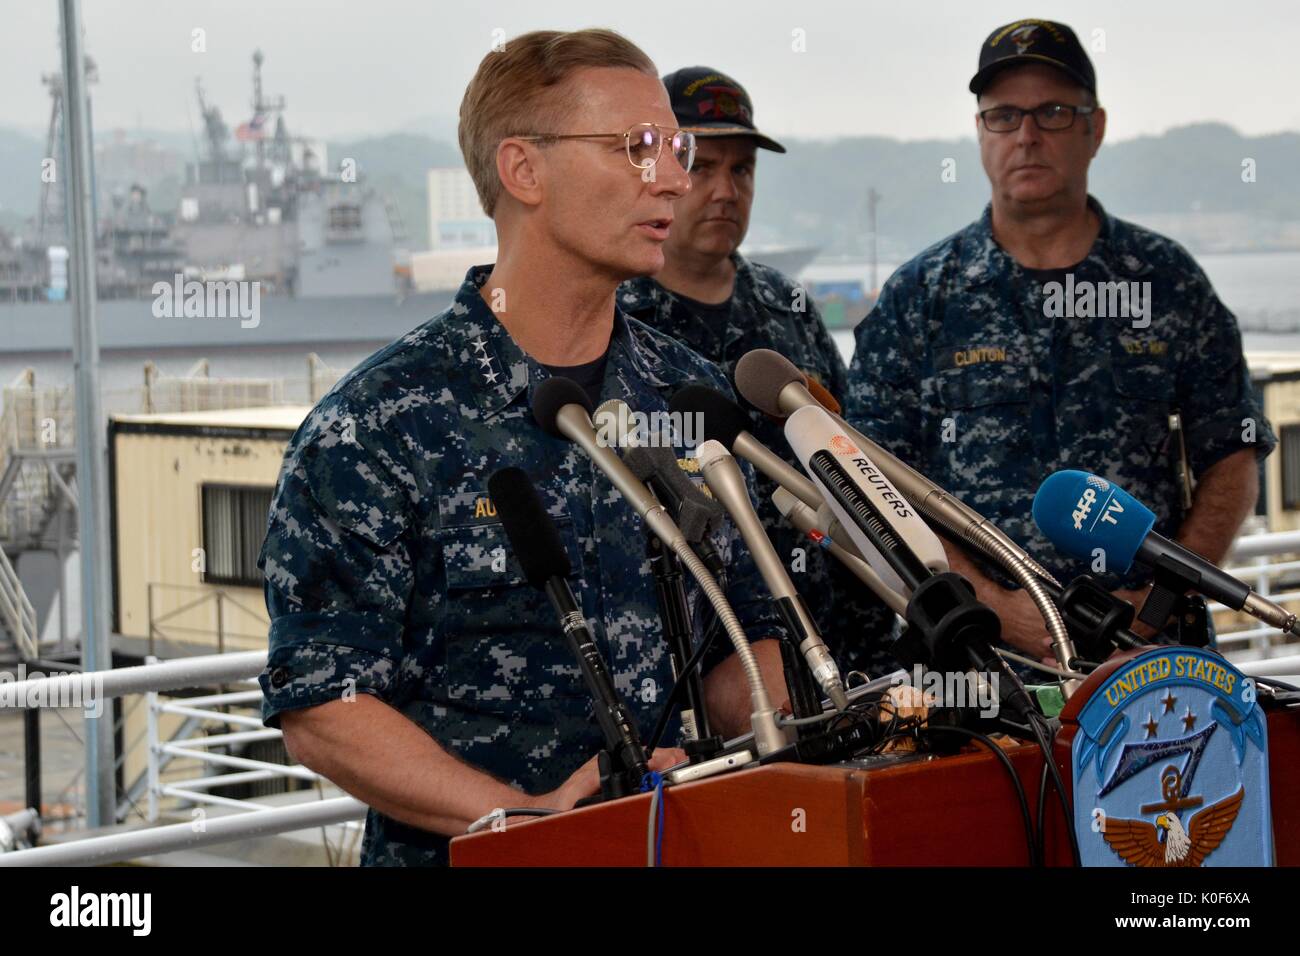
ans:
(679, 686)
(1035, 855)
(1040, 732)
(1042, 805)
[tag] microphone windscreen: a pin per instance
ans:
(1081, 513)
(722, 419)
(760, 376)
(531, 530)
(551, 396)
(824, 398)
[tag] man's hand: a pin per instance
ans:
(1022, 625)
(585, 781)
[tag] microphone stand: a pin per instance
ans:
(674, 612)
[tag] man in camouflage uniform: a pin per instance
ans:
(722, 305)
(409, 661)
(1049, 335)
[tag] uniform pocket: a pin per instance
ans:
(987, 438)
(505, 651)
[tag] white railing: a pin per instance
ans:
(90, 690)
(1270, 564)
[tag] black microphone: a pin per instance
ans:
(695, 512)
(726, 422)
(537, 545)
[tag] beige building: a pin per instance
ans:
(190, 494)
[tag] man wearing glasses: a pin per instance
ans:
(1050, 335)
(723, 305)
(409, 661)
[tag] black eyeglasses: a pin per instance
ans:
(1049, 116)
(644, 142)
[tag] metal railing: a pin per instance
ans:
(16, 611)
(177, 625)
(197, 391)
(1270, 564)
(255, 820)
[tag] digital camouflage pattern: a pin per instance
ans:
(961, 374)
(388, 571)
(770, 311)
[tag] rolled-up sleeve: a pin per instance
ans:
(1221, 410)
(337, 569)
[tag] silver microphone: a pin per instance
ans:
(561, 408)
(723, 476)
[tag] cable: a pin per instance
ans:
(1029, 662)
(679, 685)
(1039, 725)
(501, 813)
(654, 783)
(1035, 854)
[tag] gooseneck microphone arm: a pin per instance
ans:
(561, 407)
(770, 382)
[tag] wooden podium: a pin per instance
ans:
(958, 810)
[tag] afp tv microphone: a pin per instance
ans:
(1081, 513)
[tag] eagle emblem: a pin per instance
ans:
(1167, 842)
(1023, 37)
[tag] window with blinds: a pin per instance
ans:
(234, 526)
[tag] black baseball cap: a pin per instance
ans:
(709, 103)
(1034, 41)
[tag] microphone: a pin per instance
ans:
(806, 520)
(726, 422)
(1081, 513)
(561, 408)
(888, 531)
(695, 512)
(725, 480)
(536, 542)
(770, 382)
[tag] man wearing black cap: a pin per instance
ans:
(722, 305)
(1049, 334)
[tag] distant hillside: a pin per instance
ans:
(816, 194)
(1188, 180)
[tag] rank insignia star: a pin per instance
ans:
(1152, 726)
(480, 345)
(491, 378)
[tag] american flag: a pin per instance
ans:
(252, 130)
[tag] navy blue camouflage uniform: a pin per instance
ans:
(769, 311)
(961, 372)
(388, 571)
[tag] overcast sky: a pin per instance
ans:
(348, 67)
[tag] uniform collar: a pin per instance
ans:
(984, 262)
(500, 370)
(644, 295)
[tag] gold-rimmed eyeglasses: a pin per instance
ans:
(644, 143)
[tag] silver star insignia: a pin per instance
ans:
(491, 378)
(485, 361)
(480, 345)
